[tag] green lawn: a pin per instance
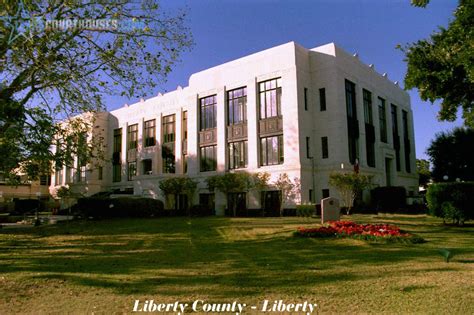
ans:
(103, 266)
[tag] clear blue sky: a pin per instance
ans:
(228, 29)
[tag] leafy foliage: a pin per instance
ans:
(423, 170)
(178, 185)
(349, 185)
(289, 189)
(100, 208)
(451, 201)
(451, 155)
(237, 182)
(442, 67)
(48, 74)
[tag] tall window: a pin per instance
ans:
(132, 136)
(324, 147)
(150, 133)
(117, 140)
(116, 159)
(322, 99)
(237, 154)
(168, 128)
(367, 95)
(382, 120)
(168, 157)
(406, 142)
(132, 170)
(352, 122)
(208, 158)
(396, 137)
(305, 98)
(351, 100)
(116, 172)
(185, 142)
(237, 106)
(369, 128)
(167, 151)
(271, 150)
(208, 110)
(270, 98)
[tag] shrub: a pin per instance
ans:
(305, 210)
(349, 186)
(452, 201)
(388, 199)
(201, 211)
(119, 207)
(23, 206)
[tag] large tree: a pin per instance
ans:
(423, 170)
(442, 67)
(59, 58)
(451, 155)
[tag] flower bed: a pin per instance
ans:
(369, 232)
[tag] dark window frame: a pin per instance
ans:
(237, 106)
(150, 132)
(270, 90)
(147, 166)
(324, 147)
(169, 128)
(208, 158)
(132, 136)
(322, 99)
(266, 152)
(239, 160)
(208, 112)
(131, 170)
(382, 120)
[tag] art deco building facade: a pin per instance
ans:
(287, 109)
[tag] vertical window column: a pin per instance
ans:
(352, 122)
(369, 128)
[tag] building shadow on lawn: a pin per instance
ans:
(196, 257)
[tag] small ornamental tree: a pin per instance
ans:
(349, 185)
(237, 182)
(175, 186)
(288, 189)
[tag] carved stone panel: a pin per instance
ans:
(237, 132)
(132, 155)
(271, 125)
(208, 136)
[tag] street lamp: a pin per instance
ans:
(313, 197)
(445, 177)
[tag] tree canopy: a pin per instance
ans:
(451, 155)
(442, 66)
(423, 169)
(59, 58)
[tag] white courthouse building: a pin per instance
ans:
(286, 109)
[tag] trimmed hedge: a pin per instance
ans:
(388, 199)
(453, 201)
(119, 207)
(201, 211)
(305, 210)
(23, 206)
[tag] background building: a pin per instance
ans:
(282, 110)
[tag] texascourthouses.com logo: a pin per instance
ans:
(26, 28)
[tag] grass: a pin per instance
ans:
(103, 266)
